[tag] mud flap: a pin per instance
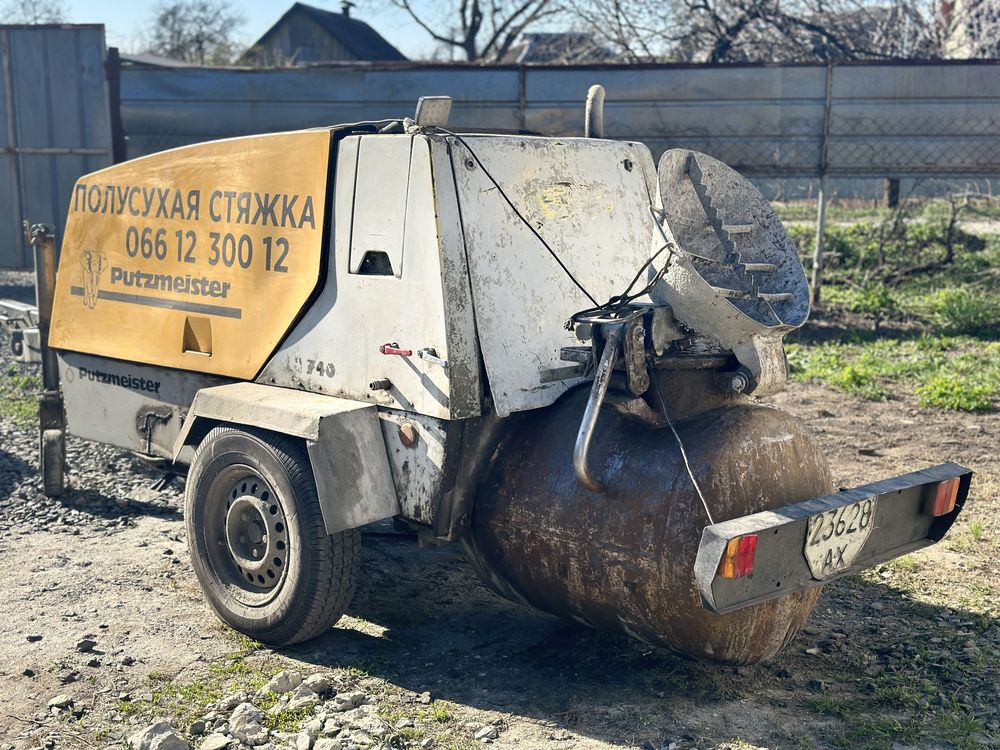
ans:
(343, 438)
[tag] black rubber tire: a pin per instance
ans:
(321, 570)
(53, 462)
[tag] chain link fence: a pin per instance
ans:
(860, 134)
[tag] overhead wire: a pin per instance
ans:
(680, 445)
(518, 214)
(614, 304)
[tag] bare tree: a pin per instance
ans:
(482, 30)
(763, 30)
(34, 11)
(971, 28)
(195, 31)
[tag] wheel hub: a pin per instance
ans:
(256, 534)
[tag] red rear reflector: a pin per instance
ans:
(943, 500)
(737, 560)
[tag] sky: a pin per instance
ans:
(124, 20)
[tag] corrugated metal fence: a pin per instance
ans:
(54, 125)
(798, 121)
(884, 120)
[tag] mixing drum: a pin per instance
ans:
(622, 559)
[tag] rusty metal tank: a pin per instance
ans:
(623, 559)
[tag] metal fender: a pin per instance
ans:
(343, 439)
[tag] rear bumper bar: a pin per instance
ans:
(902, 523)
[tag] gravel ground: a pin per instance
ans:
(105, 630)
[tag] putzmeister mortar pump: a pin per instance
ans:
(545, 349)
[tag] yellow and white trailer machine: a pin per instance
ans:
(546, 349)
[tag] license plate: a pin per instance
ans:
(835, 538)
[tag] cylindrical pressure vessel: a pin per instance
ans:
(623, 559)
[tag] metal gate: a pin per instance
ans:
(55, 125)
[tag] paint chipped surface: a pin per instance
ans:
(590, 203)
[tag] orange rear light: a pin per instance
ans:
(942, 502)
(737, 560)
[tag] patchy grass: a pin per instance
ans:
(188, 701)
(18, 399)
(868, 211)
(946, 372)
(838, 707)
(284, 721)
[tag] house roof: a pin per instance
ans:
(360, 38)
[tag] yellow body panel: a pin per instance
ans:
(198, 258)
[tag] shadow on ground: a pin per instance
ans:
(13, 470)
(431, 626)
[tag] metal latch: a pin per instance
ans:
(429, 354)
(394, 349)
(146, 421)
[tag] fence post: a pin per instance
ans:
(522, 97)
(113, 72)
(817, 261)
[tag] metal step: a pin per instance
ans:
(733, 293)
(775, 297)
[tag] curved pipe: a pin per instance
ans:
(593, 410)
(593, 124)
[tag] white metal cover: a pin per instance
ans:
(411, 215)
(590, 199)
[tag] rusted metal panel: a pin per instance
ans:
(417, 448)
(622, 559)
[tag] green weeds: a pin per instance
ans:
(946, 372)
(18, 399)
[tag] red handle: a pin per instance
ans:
(394, 349)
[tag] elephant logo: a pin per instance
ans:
(93, 264)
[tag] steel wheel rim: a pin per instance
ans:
(247, 535)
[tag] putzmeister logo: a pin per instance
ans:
(93, 264)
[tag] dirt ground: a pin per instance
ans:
(906, 655)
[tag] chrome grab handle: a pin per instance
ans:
(602, 377)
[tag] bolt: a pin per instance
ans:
(408, 434)
(244, 517)
(739, 382)
(243, 539)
